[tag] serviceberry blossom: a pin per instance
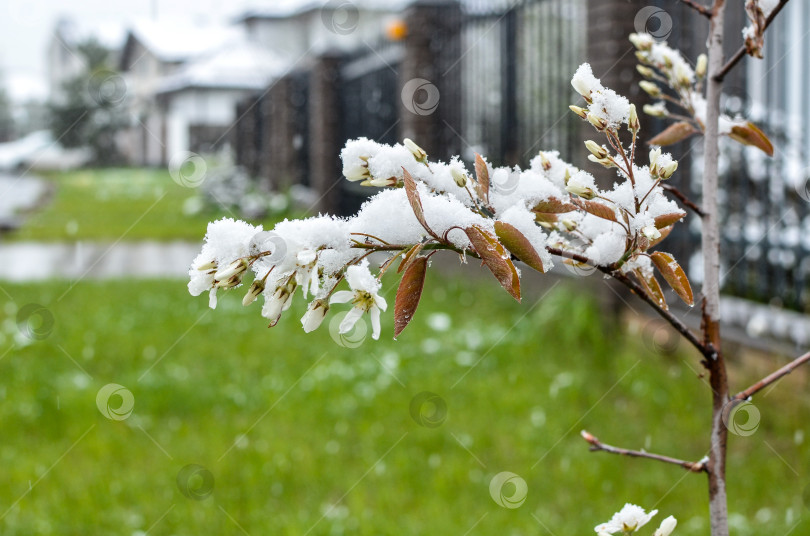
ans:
(500, 215)
(364, 296)
(629, 519)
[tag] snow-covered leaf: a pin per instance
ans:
(409, 293)
(517, 243)
(664, 233)
(413, 199)
(496, 258)
(600, 210)
(674, 275)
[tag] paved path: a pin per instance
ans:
(37, 261)
(18, 193)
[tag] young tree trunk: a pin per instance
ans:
(718, 507)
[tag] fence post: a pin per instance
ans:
(325, 140)
(277, 158)
(430, 77)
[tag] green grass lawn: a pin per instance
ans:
(117, 203)
(290, 424)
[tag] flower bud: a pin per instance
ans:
(651, 232)
(667, 526)
(212, 265)
(459, 177)
(579, 111)
(651, 89)
(234, 269)
(645, 71)
(656, 110)
(596, 150)
(418, 153)
(570, 225)
(669, 169)
(599, 124)
(702, 64)
(576, 188)
(356, 173)
(314, 316)
(632, 119)
(655, 153)
(544, 161)
(256, 288)
(641, 41)
(607, 162)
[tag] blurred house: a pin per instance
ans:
(153, 51)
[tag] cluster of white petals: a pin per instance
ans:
(631, 518)
(317, 254)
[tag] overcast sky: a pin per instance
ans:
(26, 27)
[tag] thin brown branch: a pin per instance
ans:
(596, 445)
(735, 59)
(683, 199)
(703, 10)
(772, 377)
(614, 272)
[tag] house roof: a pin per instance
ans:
(240, 64)
(176, 42)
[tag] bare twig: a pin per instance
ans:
(772, 377)
(596, 445)
(703, 10)
(735, 59)
(683, 199)
(613, 271)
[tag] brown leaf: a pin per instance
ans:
(409, 294)
(600, 210)
(552, 205)
(750, 134)
(652, 288)
(496, 258)
(482, 176)
(674, 275)
(416, 203)
(517, 243)
(665, 220)
(673, 134)
(545, 217)
(409, 257)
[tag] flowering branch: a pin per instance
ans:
(746, 48)
(596, 445)
(772, 377)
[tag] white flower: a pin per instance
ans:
(364, 296)
(628, 519)
(279, 301)
(256, 288)
(314, 316)
(306, 273)
(667, 526)
(201, 276)
(356, 173)
(651, 232)
(584, 82)
(642, 41)
(577, 188)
